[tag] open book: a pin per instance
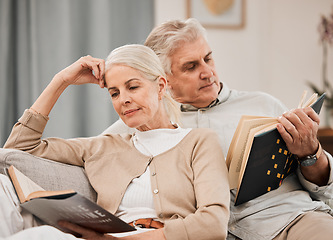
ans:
(68, 205)
(258, 159)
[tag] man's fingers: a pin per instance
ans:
(312, 114)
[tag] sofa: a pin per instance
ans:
(52, 175)
(48, 174)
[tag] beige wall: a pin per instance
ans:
(276, 52)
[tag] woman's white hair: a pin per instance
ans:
(144, 60)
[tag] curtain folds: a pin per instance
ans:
(41, 37)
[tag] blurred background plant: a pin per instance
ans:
(325, 29)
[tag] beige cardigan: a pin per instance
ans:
(189, 182)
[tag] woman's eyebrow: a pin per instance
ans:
(127, 82)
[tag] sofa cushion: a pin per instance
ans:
(50, 175)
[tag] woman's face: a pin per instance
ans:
(136, 99)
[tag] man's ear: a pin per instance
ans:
(167, 76)
(169, 86)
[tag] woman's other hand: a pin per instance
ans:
(84, 232)
(87, 69)
(88, 234)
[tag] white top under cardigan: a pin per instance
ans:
(138, 199)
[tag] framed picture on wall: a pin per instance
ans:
(228, 14)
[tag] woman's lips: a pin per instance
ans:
(130, 112)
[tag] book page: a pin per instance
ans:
(39, 194)
(26, 189)
(311, 100)
(243, 143)
(235, 139)
(23, 185)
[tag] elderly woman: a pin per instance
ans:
(174, 177)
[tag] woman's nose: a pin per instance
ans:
(125, 99)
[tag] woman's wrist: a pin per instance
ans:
(45, 102)
(60, 81)
(31, 109)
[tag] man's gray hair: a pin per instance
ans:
(166, 38)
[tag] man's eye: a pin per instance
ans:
(113, 95)
(133, 87)
(191, 67)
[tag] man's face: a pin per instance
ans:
(193, 80)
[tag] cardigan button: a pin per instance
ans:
(156, 191)
(153, 174)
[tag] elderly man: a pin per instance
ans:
(297, 209)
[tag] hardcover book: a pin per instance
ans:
(67, 205)
(258, 158)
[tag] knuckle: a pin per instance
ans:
(290, 128)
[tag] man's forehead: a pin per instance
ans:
(191, 51)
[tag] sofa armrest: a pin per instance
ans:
(50, 175)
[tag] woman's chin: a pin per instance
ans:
(131, 124)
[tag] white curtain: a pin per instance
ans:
(38, 38)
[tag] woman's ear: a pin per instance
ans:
(162, 83)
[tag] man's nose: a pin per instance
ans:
(206, 72)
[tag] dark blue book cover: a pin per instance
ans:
(269, 162)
